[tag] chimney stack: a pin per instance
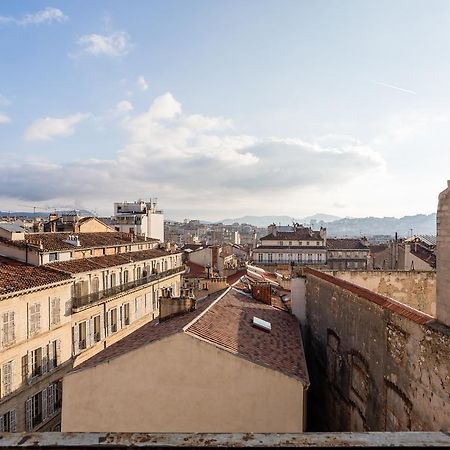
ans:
(443, 258)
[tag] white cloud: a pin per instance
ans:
(47, 15)
(196, 160)
(115, 44)
(49, 127)
(143, 85)
(4, 118)
(123, 107)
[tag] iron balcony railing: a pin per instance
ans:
(290, 261)
(84, 300)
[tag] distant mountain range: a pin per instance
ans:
(352, 227)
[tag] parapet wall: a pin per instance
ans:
(413, 288)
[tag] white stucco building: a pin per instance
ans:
(140, 218)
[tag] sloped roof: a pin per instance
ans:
(225, 319)
(55, 241)
(346, 244)
(98, 262)
(303, 234)
(228, 323)
(16, 276)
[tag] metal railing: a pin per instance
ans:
(84, 300)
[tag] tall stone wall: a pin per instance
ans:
(413, 288)
(372, 368)
(443, 257)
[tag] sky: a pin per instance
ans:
(221, 109)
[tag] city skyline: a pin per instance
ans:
(290, 108)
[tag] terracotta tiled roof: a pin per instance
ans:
(346, 244)
(304, 234)
(150, 332)
(55, 241)
(288, 247)
(424, 254)
(385, 302)
(228, 323)
(99, 262)
(195, 271)
(16, 276)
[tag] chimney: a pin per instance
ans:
(443, 258)
(262, 292)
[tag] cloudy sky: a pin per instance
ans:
(225, 108)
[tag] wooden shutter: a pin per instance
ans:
(45, 362)
(120, 318)
(4, 329)
(29, 414)
(29, 364)
(12, 421)
(102, 326)
(12, 325)
(91, 332)
(51, 399)
(76, 339)
(2, 423)
(131, 312)
(44, 404)
(58, 352)
(51, 356)
(38, 316)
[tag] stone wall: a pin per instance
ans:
(374, 365)
(416, 289)
(443, 257)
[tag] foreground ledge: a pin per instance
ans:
(153, 440)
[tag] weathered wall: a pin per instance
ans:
(416, 289)
(443, 257)
(371, 368)
(181, 384)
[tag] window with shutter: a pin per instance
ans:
(57, 352)
(8, 329)
(29, 414)
(25, 368)
(75, 340)
(8, 422)
(51, 399)
(34, 318)
(7, 373)
(55, 311)
(44, 404)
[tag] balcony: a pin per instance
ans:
(289, 262)
(86, 300)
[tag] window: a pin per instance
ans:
(103, 251)
(53, 257)
(36, 362)
(55, 311)
(113, 318)
(112, 278)
(138, 273)
(155, 301)
(36, 409)
(290, 243)
(34, 318)
(82, 333)
(270, 257)
(97, 331)
(8, 422)
(125, 276)
(317, 243)
(260, 257)
(54, 354)
(54, 393)
(7, 375)
(280, 243)
(8, 329)
(126, 314)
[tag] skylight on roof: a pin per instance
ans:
(262, 324)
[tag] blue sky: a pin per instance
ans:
(226, 108)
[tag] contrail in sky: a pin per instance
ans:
(395, 87)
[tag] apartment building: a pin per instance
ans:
(287, 245)
(233, 365)
(345, 254)
(98, 288)
(35, 352)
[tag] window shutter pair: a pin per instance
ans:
(102, 326)
(51, 399)
(51, 356)
(90, 332)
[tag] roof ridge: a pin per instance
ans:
(186, 327)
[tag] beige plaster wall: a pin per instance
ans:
(413, 288)
(181, 384)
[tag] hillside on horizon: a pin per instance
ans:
(352, 227)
